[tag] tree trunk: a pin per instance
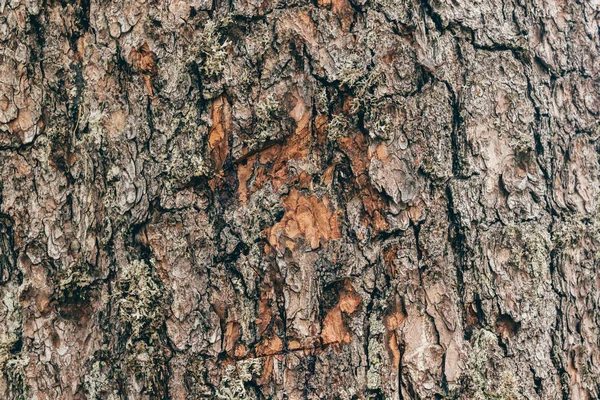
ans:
(336, 199)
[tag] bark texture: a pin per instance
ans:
(263, 199)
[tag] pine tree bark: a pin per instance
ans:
(337, 199)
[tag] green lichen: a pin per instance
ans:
(522, 144)
(376, 326)
(574, 231)
(187, 160)
(398, 8)
(245, 79)
(351, 72)
(382, 127)
(14, 373)
(74, 284)
(375, 351)
(529, 250)
(213, 51)
(374, 371)
(189, 165)
(197, 378)
(267, 117)
(322, 101)
(139, 300)
(148, 361)
(141, 307)
(486, 359)
(347, 393)
(537, 253)
(266, 112)
(364, 99)
(232, 386)
(338, 127)
(98, 383)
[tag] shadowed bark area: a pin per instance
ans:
(327, 199)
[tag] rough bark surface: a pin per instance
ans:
(262, 199)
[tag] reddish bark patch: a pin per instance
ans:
(218, 138)
(265, 304)
(506, 326)
(334, 329)
(267, 371)
(231, 336)
(270, 164)
(389, 257)
(269, 346)
(392, 321)
(144, 62)
(355, 148)
(306, 217)
(244, 173)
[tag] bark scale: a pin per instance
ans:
(341, 199)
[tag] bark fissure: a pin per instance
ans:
(312, 199)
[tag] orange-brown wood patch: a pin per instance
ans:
(218, 138)
(306, 217)
(144, 63)
(271, 163)
(334, 329)
(392, 321)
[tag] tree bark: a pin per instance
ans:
(336, 199)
